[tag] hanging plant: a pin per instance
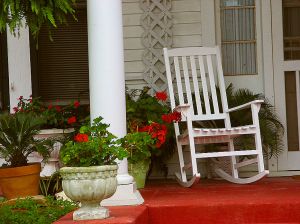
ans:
(34, 13)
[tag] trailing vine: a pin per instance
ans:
(34, 13)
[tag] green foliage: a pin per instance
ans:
(51, 185)
(142, 109)
(93, 146)
(35, 12)
(270, 126)
(138, 145)
(56, 115)
(17, 140)
(29, 211)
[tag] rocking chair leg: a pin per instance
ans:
(181, 162)
(234, 170)
(190, 183)
(257, 136)
(182, 179)
(260, 158)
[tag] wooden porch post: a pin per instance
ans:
(19, 67)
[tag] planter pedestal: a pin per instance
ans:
(90, 211)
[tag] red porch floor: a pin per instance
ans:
(271, 200)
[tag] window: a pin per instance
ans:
(238, 37)
(60, 67)
(291, 29)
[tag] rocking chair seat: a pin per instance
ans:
(216, 135)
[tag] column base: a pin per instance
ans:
(126, 194)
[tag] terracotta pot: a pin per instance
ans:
(20, 181)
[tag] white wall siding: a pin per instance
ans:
(253, 82)
(132, 44)
(186, 32)
(186, 23)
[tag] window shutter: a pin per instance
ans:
(62, 65)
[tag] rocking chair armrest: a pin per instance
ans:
(182, 108)
(243, 106)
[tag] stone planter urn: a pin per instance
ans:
(89, 186)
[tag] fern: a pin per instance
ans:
(270, 126)
(35, 13)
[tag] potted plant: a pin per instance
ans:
(151, 115)
(17, 142)
(57, 115)
(60, 121)
(90, 172)
(139, 148)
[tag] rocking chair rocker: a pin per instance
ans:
(196, 66)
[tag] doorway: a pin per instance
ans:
(286, 61)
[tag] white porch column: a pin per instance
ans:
(19, 67)
(107, 83)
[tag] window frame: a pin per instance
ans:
(258, 29)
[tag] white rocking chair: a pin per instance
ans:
(196, 66)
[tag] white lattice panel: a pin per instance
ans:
(157, 23)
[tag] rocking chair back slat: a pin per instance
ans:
(196, 86)
(194, 74)
(204, 85)
(169, 78)
(221, 81)
(212, 84)
(187, 82)
(178, 80)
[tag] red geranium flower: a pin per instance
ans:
(15, 109)
(161, 96)
(72, 120)
(58, 108)
(50, 107)
(81, 137)
(166, 118)
(20, 98)
(76, 104)
(172, 117)
(157, 131)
